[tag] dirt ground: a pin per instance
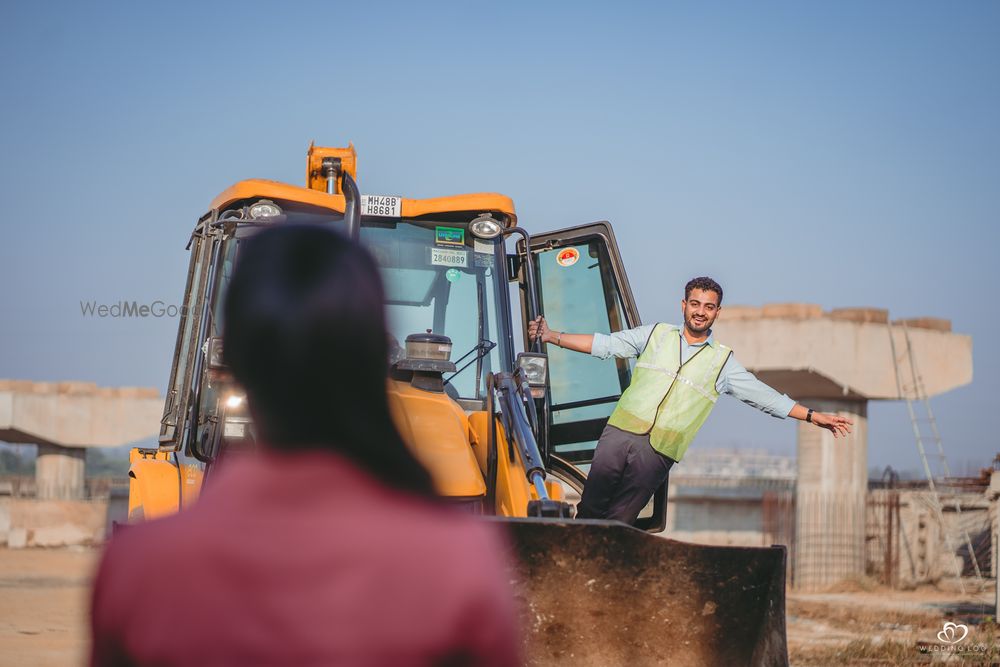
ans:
(44, 597)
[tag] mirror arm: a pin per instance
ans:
(529, 268)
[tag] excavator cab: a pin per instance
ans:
(506, 428)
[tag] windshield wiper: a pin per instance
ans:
(483, 347)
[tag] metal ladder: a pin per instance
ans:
(919, 394)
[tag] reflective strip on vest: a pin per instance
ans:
(669, 373)
(667, 399)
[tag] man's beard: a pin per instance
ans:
(699, 328)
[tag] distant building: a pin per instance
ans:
(736, 464)
(728, 496)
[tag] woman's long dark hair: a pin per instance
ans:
(305, 335)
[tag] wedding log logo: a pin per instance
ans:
(950, 636)
(948, 632)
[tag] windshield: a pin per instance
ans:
(214, 385)
(437, 277)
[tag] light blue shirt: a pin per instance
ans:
(734, 380)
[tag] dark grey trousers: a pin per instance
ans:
(625, 473)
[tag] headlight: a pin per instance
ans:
(234, 401)
(485, 227)
(214, 352)
(265, 208)
(536, 371)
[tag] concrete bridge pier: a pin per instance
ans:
(837, 362)
(65, 418)
(59, 472)
(830, 498)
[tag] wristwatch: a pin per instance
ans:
(809, 416)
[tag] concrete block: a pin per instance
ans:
(741, 312)
(61, 536)
(875, 315)
(17, 538)
(51, 523)
(72, 387)
(792, 311)
(17, 385)
(932, 323)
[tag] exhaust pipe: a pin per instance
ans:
(352, 206)
(332, 169)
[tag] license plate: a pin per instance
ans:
(234, 429)
(384, 206)
(448, 257)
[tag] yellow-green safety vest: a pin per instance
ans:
(668, 399)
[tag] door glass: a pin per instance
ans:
(180, 379)
(579, 294)
(214, 384)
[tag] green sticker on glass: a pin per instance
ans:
(449, 235)
(452, 275)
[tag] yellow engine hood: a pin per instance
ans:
(437, 431)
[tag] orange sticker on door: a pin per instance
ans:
(568, 257)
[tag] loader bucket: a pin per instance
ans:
(602, 593)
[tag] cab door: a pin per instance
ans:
(173, 424)
(582, 288)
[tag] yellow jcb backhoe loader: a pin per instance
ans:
(503, 434)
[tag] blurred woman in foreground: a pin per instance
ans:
(327, 547)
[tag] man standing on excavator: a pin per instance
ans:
(679, 374)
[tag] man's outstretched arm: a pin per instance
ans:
(625, 344)
(838, 424)
(570, 341)
(740, 383)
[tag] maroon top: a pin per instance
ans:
(303, 559)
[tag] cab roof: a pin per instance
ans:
(479, 202)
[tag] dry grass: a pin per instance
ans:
(864, 628)
(859, 652)
(859, 584)
(866, 652)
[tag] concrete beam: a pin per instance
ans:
(77, 414)
(843, 354)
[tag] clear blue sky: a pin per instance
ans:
(846, 154)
